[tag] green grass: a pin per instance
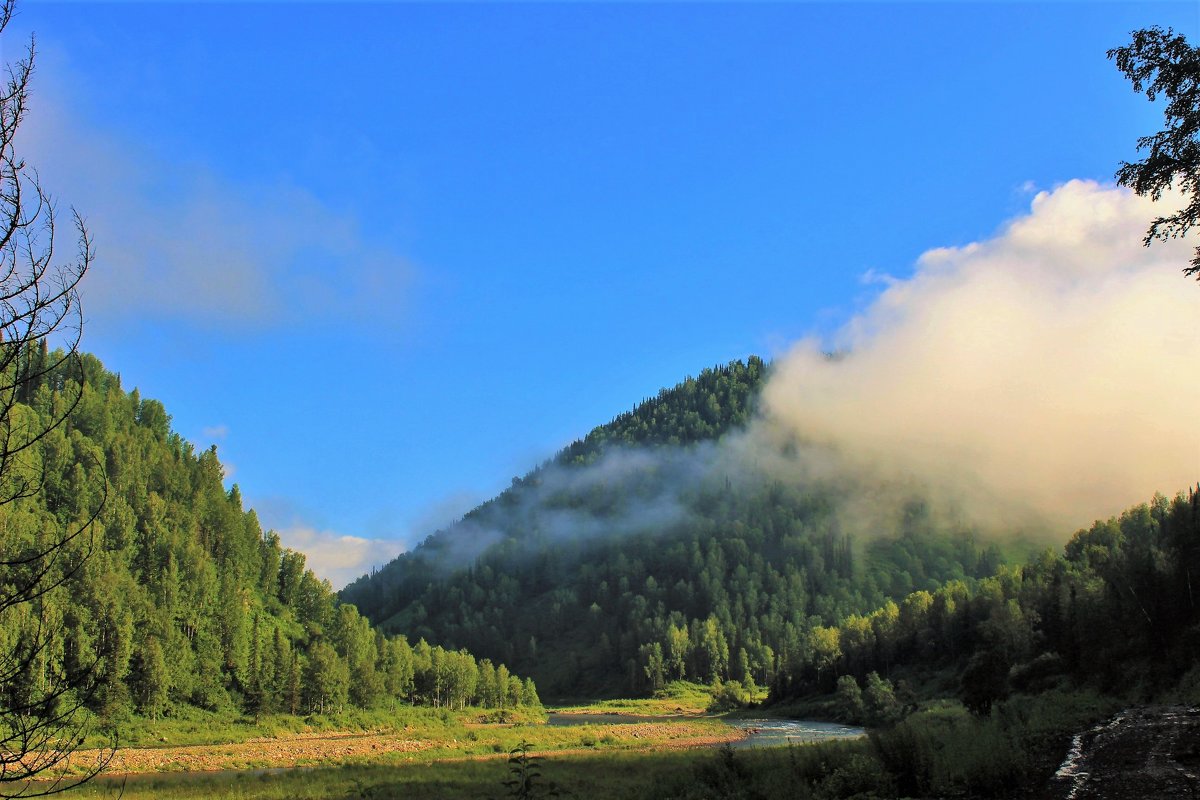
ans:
(940, 751)
(191, 726)
(585, 776)
(678, 697)
(943, 750)
(443, 735)
(829, 770)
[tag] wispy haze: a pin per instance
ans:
(182, 242)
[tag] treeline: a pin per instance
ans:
(174, 596)
(734, 595)
(615, 568)
(1118, 608)
(701, 408)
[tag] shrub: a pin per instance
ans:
(525, 775)
(859, 776)
(908, 752)
(879, 701)
(728, 696)
(849, 699)
(1037, 675)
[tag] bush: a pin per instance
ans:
(984, 758)
(879, 701)
(1038, 675)
(849, 699)
(1188, 689)
(858, 777)
(984, 681)
(728, 696)
(721, 778)
(908, 752)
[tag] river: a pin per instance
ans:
(761, 731)
(769, 732)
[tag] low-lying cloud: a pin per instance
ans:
(625, 491)
(1029, 384)
(1048, 373)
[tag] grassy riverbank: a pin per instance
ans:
(615, 774)
(462, 759)
(939, 751)
(411, 738)
(625, 775)
(432, 752)
(678, 697)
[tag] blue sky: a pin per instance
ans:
(387, 256)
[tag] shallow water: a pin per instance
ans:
(763, 731)
(766, 732)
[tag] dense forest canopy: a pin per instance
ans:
(643, 553)
(1116, 607)
(177, 598)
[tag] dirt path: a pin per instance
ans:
(1145, 752)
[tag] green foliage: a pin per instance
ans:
(593, 589)
(849, 701)
(525, 776)
(721, 777)
(948, 752)
(184, 602)
(1116, 609)
(1162, 64)
(728, 695)
(984, 681)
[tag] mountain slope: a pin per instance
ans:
(646, 552)
(174, 597)
(1116, 608)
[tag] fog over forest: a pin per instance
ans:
(1004, 383)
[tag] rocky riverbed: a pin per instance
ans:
(1145, 752)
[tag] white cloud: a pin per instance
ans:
(1050, 369)
(335, 556)
(186, 242)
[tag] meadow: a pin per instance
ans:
(941, 750)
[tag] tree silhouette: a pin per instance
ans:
(1161, 62)
(42, 695)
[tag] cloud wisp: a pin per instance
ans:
(184, 242)
(625, 491)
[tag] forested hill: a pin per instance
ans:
(1118, 608)
(642, 553)
(705, 407)
(175, 597)
(699, 409)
